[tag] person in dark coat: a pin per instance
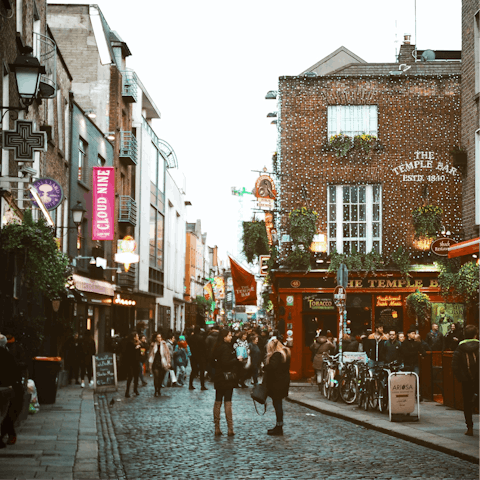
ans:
(349, 344)
(453, 337)
(435, 339)
(256, 358)
(72, 353)
(131, 358)
(409, 351)
(198, 360)
(277, 379)
(88, 349)
(224, 381)
(210, 342)
(391, 348)
(10, 376)
(465, 369)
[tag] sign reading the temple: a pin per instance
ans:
(24, 141)
(424, 168)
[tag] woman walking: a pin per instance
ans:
(159, 360)
(277, 379)
(224, 381)
(131, 358)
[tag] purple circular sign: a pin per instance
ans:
(50, 191)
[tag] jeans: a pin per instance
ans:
(278, 406)
(255, 374)
(140, 372)
(169, 374)
(181, 374)
(198, 366)
(132, 372)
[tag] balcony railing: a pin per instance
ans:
(128, 148)
(45, 49)
(127, 279)
(129, 86)
(128, 210)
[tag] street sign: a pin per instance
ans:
(340, 296)
(342, 275)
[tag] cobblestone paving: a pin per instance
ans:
(172, 437)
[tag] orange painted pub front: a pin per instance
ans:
(305, 302)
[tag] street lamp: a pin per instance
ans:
(77, 213)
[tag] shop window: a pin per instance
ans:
(354, 218)
(353, 120)
(82, 159)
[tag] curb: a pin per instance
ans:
(417, 441)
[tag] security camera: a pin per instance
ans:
(28, 170)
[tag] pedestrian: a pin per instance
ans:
(170, 373)
(349, 344)
(210, 342)
(72, 352)
(131, 359)
(159, 361)
(10, 376)
(375, 344)
(88, 351)
(319, 347)
(410, 351)
(143, 359)
(435, 339)
(465, 369)
(453, 337)
(180, 357)
(391, 348)
(224, 382)
(198, 357)
(256, 358)
(401, 337)
(277, 379)
(241, 349)
(331, 339)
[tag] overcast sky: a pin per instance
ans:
(208, 65)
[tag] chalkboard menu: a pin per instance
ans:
(105, 370)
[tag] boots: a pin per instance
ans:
(469, 431)
(229, 417)
(277, 430)
(216, 418)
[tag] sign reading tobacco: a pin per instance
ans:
(318, 301)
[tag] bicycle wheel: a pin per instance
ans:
(348, 389)
(366, 399)
(383, 398)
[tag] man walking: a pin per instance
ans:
(198, 349)
(465, 369)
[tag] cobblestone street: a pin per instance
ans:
(172, 437)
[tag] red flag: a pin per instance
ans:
(244, 285)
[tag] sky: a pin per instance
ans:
(208, 66)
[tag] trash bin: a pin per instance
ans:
(45, 374)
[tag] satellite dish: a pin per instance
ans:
(428, 56)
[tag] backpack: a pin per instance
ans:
(471, 362)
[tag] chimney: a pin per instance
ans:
(407, 51)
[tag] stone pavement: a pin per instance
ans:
(59, 442)
(440, 427)
(172, 437)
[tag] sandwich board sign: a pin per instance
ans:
(403, 394)
(105, 370)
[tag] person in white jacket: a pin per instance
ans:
(159, 361)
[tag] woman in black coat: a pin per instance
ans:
(131, 358)
(277, 379)
(226, 363)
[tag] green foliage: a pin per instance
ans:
(427, 220)
(340, 144)
(273, 260)
(356, 262)
(401, 259)
(203, 302)
(419, 305)
(255, 240)
(45, 267)
(303, 226)
(28, 332)
(462, 281)
(298, 259)
(365, 142)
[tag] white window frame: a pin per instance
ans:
(352, 120)
(339, 222)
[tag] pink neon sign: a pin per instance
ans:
(103, 220)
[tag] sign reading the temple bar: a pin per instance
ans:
(103, 220)
(441, 245)
(24, 141)
(50, 192)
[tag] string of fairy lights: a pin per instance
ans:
(416, 113)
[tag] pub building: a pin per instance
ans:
(363, 145)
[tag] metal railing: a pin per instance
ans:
(128, 210)
(128, 147)
(45, 49)
(127, 279)
(130, 86)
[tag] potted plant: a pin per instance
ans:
(255, 240)
(303, 226)
(340, 144)
(462, 281)
(459, 156)
(365, 142)
(427, 220)
(298, 258)
(419, 305)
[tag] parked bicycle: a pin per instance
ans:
(330, 377)
(392, 367)
(349, 383)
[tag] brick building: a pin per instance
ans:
(365, 199)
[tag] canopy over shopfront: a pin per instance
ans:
(468, 247)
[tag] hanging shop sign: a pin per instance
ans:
(126, 252)
(219, 288)
(50, 191)
(103, 215)
(271, 231)
(314, 302)
(424, 168)
(265, 192)
(86, 284)
(24, 141)
(441, 245)
(388, 301)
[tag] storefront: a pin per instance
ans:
(305, 303)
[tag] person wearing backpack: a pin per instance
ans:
(465, 369)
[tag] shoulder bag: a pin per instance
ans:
(259, 394)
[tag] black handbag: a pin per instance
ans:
(230, 376)
(259, 394)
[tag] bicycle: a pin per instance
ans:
(392, 367)
(348, 386)
(330, 381)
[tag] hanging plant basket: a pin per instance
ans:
(419, 305)
(255, 240)
(365, 143)
(303, 226)
(298, 259)
(427, 220)
(340, 144)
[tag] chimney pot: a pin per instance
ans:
(406, 39)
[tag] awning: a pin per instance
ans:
(464, 248)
